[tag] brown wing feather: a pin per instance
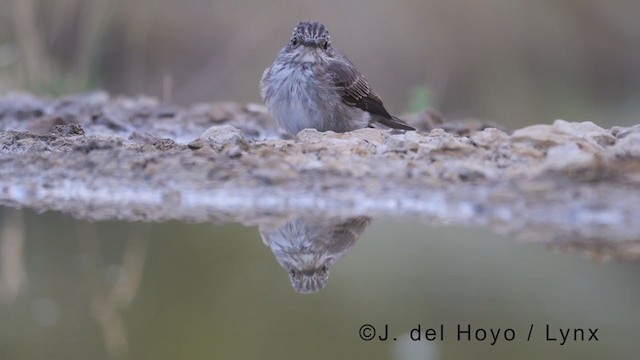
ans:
(356, 91)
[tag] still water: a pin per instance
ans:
(71, 289)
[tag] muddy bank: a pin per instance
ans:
(574, 185)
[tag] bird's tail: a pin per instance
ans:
(395, 123)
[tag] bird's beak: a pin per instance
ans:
(311, 43)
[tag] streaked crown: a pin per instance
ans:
(305, 283)
(311, 32)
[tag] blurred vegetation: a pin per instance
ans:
(513, 62)
(420, 99)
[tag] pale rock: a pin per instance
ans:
(221, 135)
(489, 137)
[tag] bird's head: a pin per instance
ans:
(310, 42)
(309, 277)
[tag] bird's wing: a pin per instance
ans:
(356, 91)
(263, 88)
(345, 233)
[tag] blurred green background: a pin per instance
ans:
(515, 62)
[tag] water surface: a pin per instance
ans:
(107, 290)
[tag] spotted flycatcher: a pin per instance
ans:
(313, 85)
(308, 247)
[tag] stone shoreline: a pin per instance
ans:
(573, 185)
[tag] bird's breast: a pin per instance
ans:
(298, 99)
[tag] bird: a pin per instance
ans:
(311, 84)
(307, 247)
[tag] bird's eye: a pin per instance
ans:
(325, 45)
(294, 41)
(324, 268)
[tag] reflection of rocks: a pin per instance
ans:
(308, 247)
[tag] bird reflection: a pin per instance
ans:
(308, 247)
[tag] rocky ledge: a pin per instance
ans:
(573, 185)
